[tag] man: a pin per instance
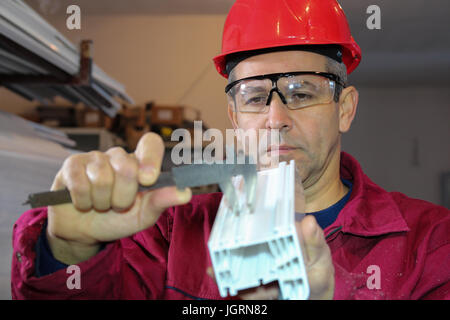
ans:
(287, 64)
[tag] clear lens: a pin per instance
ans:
(306, 90)
(251, 95)
(300, 91)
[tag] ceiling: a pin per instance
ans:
(136, 6)
(413, 32)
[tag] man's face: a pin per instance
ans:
(309, 135)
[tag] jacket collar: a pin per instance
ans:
(370, 211)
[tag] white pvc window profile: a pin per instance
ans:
(251, 248)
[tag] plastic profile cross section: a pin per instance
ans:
(251, 248)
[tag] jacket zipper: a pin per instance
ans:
(333, 232)
(185, 293)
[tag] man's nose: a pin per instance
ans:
(278, 116)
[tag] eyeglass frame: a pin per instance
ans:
(274, 77)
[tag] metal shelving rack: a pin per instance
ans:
(39, 63)
(57, 76)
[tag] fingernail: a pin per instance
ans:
(184, 195)
(148, 174)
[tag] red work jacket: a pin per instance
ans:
(384, 246)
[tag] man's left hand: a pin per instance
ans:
(318, 264)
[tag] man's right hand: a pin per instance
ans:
(106, 205)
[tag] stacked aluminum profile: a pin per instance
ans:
(30, 46)
(252, 248)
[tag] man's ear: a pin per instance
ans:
(232, 115)
(348, 103)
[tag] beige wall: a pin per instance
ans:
(400, 137)
(157, 58)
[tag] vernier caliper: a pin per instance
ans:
(186, 176)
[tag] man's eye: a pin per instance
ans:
(302, 96)
(256, 100)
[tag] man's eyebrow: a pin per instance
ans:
(252, 89)
(304, 83)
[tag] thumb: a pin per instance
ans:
(312, 237)
(142, 215)
(158, 200)
(149, 153)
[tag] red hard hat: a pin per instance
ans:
(260, 24)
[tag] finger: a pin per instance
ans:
(161, 199)
(125, 186)
(149, 153)
(153, 203)
(210, 273)
(147, 209)
(116, 151)
(73, 176)
(313, 239)
(101, 177)
(58, 183)
(269, 291)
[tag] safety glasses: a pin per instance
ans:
(296, 90)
